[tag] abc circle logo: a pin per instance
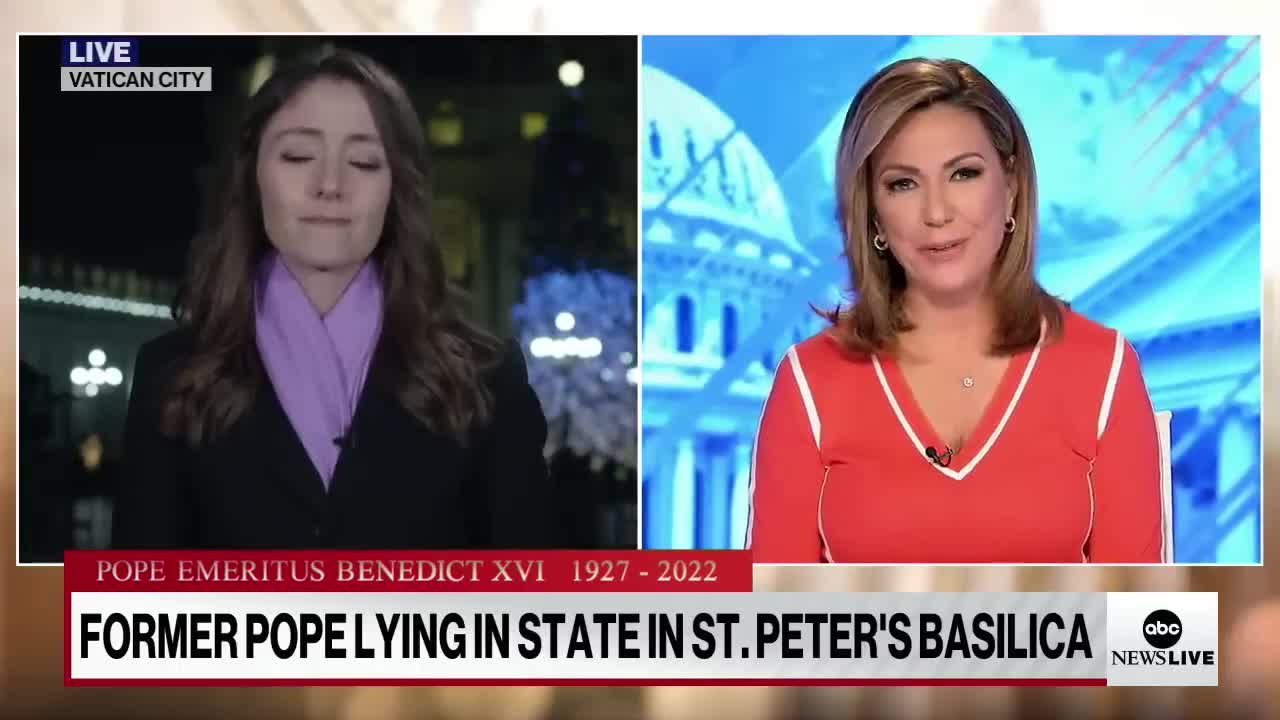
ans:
(1162, 629)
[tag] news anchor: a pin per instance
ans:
(322, 389)
(956, 412)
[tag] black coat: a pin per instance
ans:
(397, 483)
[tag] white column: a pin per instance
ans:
(1237, 450)
(708, 323)
(660, 331)
(741, 492)
(683, 496)
(719, 478)
(652, 481)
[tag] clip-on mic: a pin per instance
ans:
(943, 460)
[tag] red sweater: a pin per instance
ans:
(1063, 466)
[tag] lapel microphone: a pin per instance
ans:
(943, 460)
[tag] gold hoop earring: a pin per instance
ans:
(879, 243)
(1010, 225)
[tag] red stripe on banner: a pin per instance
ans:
(601, 682)
(407, 571)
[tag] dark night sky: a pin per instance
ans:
(111, 177)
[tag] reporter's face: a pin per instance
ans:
(323, 177)
(941, 196)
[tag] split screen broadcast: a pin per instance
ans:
(384, 360)
(857, 300)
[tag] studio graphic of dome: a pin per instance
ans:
(720, 253)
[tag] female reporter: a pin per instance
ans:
(956, 412)
(323, 389)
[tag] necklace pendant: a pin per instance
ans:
(967, 382)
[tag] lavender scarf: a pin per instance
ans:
(317, 364)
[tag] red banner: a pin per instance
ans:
(408, 571)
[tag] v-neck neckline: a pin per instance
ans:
(312, 482)
(982, 437)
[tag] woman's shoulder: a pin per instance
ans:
(517, 407)
(155, 364)
(1085, 338)
(508, 367)
(1088, 352)
(165, 349)
(823, 354)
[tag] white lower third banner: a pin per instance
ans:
(642, 638)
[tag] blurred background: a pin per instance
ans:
(1249, 597)
(533, 141)
(1147, 155)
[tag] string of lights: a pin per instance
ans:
(93, 302)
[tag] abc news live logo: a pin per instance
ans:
(1162, 630)
(98, 64)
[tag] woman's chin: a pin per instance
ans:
(323, 262)
(948, 285)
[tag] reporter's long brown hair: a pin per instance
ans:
(434, 358)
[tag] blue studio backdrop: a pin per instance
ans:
(1147, 152)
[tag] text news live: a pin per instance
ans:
(533, 376)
